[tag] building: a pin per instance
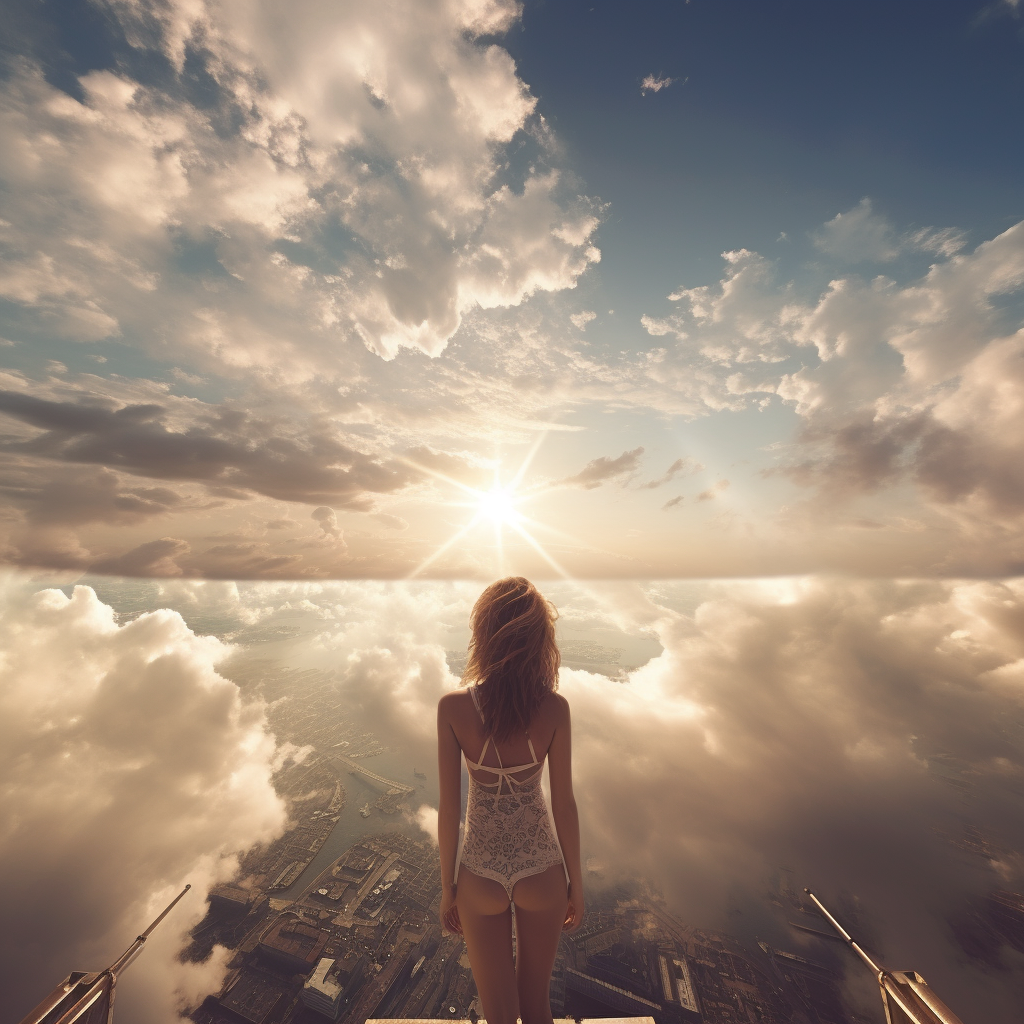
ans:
(231, 898)
(322, 992)
(253, 997)
(333, 983)
(292, 945)
(677, 985)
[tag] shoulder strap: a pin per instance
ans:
(476, 703)
(490, 739)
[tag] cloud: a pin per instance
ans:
(328, 521)
(390, 522)
(426, 818)
(713, 491)
(219, 447)
(153, 558)
(130, 767)
(73, 496)
(672, 503)
(340, 183)
(795, 725)
(677, 467)
(800, 723)
(861, 234)
(918, 381)
(582, 318)
(655, 83)
(600, 470)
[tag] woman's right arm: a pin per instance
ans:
(449, 809)
(563, 810)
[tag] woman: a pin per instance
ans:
(507, 723)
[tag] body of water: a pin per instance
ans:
(392, 764)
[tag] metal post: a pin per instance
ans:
(135, 948)
(76, 998)
(906, 990)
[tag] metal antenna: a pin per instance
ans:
(901, 990)
(88, 998)
(129, 955)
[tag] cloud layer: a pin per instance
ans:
(284, 189)
(917, 382)
(130, 767)
(805, 724)
(808, 724)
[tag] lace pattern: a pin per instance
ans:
(508, 835)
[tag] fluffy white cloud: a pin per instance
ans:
(341, 184)
(796, 724)
(920, 380)
(655, 83)
(130, 766)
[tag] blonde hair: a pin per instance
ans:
(512, 654)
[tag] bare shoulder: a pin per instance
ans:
(451, 704)
(556, 707)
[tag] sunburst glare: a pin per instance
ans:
(498, 505)
(497, 508)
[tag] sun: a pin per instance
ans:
(498, 505)
(498, 508)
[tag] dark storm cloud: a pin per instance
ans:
(231, 449)
(597, 471)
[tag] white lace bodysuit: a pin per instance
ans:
(509, 833)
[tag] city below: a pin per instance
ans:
(338, 919)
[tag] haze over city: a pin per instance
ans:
(708, 317)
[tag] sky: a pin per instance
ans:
(697, 289)
(708, 316)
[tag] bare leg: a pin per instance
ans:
(541, 901)
(486, 917)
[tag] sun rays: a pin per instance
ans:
(498, 507)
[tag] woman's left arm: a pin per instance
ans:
(449, 773)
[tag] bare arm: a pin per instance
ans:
(563, 810)
(449, 773)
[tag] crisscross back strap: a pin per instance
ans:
(505, 775)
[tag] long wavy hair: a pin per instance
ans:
(512, 654)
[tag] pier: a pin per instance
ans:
(356, 768)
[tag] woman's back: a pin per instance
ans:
(527, 748)
(513, 850)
